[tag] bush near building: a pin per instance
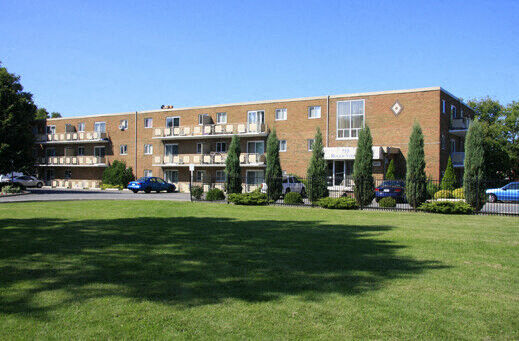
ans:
(197, 192)
(458, 193)
(252, 198)
(293, 198)
(447, 207)
(387, 202)
(416, 183)
(215, 194)
(363, 169)
(390, 174)
(474, 174)
(449, 178)
(316, 174)
(431, 188)
(117, 174)
(273, 173)
(233, 179)
(345, 203)
(443, 194)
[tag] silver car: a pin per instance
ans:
(28, 181)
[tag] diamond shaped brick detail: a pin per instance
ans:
(397, 108)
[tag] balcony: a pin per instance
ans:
(208, 160)
(72, 161)
(210, 131)
(459, 126)
(458, 159)
(81, 137)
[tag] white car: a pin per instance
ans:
(28, 181)
(290, 184)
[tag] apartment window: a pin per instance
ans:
(314, 112)
(123, 149)
(256, 147)
(100, 127)
(68, 173)
(81, 126)
(350, 119)
(80, 151)
(310, 144)
(220, 176)
(171, 176)
(123, 124)
(255, 177)
(199, 148)
(99, 151)
(282, 145)
(199, 176)
(51, 129)
(170, 149)
(172, 122)
(148, 122)
(148, 149)
(221, 147)
(256, 117)
(202, 118)
(148, 173)
(453, 145)
(443, 142)
(453, 112)
(281, 114)
(221, 117)
(443, 106)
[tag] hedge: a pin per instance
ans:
(215, 194)
(197, 192)
(387, 202)
(338, 203)
(447, 207)
(253, 198)
(443, 194)
(293, 198)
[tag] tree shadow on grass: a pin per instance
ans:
(189, 261)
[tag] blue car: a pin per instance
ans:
(508, 192)
(391, 188)
(148, 184)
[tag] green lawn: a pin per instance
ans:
(130, 269)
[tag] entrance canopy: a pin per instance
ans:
(348, 153)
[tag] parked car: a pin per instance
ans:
(24, 181)
(290, 184)
(148, 184)
(391, 188)
(508, 192)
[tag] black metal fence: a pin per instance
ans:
(499, 197)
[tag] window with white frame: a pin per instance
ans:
(171, 176)
(148, 149)
(221, 117)
(281, 114)
(350, 119)
(100, 127)
(199, 148)
(199, 176)
(51, 129)
(202, 118)
(123, 149)
(173, 121)
(80, 151)
(81, 126)
(255, 177)
(148, 173)
(443, 142)
(310, 144)
(256, 147)
(314, 112)
(148, 122)
(221, 147)
(220, 176)
(123, 124)
(282, 145)
(443, 106)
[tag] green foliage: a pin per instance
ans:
(252, 198)
(316, 174)
(343, 203)
(117, 174)
(364, 188)
(458, 193)
(416, 191)
(390, 174)
(387, 202)
(273, 174)
(432, 188)
(474, 176)
(215, 194)
(108, 186)
(447, 207)
(293, 198)
(443, 194)
(233, 179)
(197, 192)
(17, 113)
(449, 178)
(42, 114)
(11, 189)
(55, 115)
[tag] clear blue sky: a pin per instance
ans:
(87, 57)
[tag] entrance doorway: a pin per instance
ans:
(340, 172)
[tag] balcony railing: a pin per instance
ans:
(458, 159)
(212, 130)
(87, 161)
(216, 159)
(75, 184)
(460, 123)
(90, 136)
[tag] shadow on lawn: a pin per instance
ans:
(191, 261)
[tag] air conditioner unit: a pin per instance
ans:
(122, 127)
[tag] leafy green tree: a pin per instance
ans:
(363, 169)
(316, 174)
(474, 176)
(117, 174)
(42, 114)
(17, 112)
(273, 174)
(390, 173)
(55, 115)
(233, 182)
(416, 182)
(449, 177)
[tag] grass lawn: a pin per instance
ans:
(130, 269)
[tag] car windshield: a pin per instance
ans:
(142, 179)
(393, 183)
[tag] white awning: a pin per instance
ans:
(348, 153)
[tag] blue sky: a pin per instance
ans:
(87, 57)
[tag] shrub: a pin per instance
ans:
(447, 207)
(363, 169)
(232, 167)
(105, 186)
(117, 174)
(474, 171)
(197, 192)
(387, 202)
(416, 191)
(390, 174)
(443, 194)
(338, 203)
(317, 171)
(458, 193)
(253, 198)
(273, 174)
(293, 198)
(449, 178)
(11, 189)
(432, 188)
(215, 194)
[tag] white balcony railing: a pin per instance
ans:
(93, 136)
(210, 130)
(460, 123)
(73, 161)
(208, 159)
(458, 159)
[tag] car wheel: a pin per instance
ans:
(171, 190)
(39, 185)
(147, 190)
(135, 190)
(492, 198)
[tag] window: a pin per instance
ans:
(443, 106)
(99, 151)
(256, 147)
(148, 122)
(281, 114)
(170, 149)
(172, 122)
(51, 129)
(123, 149)
(199, 148)
(81, 126)
(202, 118)
(314, 112)
(310, 144)
(220, 176)
(148, 173)
(123, 124)
(282, 145)
(148, 149)
(68, 173)
(100, 127)
(200, 175)
(453, 112)
(443, 142)
(171, 176)
(80, 151)
(453, 145)
(350, 119)
(254, 177)
(221, 117)
(221, 147)
(256, 117)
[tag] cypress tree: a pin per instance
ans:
(449, 178)
(363, 169)
(474, 175)
(416, 187)
(390, 174)
(273, 175)
(233, 168)
(316, 173)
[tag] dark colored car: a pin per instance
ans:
(391, 188)
(148, 184)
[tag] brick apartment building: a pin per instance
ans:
(73, 152)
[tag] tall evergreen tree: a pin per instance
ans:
(316, 173)
(449, 178)
(416, 182)
(232, 167)
(363, 169)
(273, 175)
(390, 173)
(17, 114)
(474, 176)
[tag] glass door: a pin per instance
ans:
(170, 149)
(256, 117)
